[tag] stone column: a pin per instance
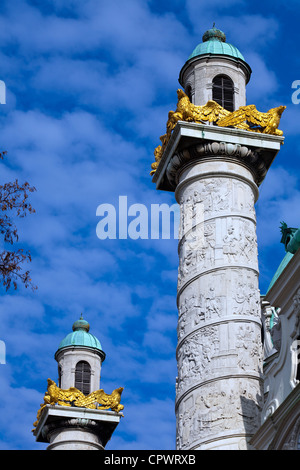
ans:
(215, 173)
(218, 393)
(74, 434)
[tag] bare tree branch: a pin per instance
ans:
(14, 203)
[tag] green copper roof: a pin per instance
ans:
(280, 268)
(81, 337)
(294, 242)
(214, 42)
(291, 240)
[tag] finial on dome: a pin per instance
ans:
(81, 324)
(214, 34)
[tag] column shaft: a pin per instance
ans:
(218, 393)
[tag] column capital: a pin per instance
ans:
(191, 142)
(98, 426)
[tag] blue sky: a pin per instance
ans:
(89, 87)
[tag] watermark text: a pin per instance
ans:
(137, 221)
(2, 352)
(296, 93)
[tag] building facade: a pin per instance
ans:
(280, 417)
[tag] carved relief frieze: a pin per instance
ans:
(212, 197)
(201, 302)
(217, 295)
(231, 245)
(240, 242)
(205, 353)
(194, 357)
(198, 251)
(232, 347)
(245, 293)
(243, 199)
(249, 347)
(216, 243)
(233, 405)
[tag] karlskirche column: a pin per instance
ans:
(215, 171)
(219, 345)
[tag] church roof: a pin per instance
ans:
(281, 267)
(81, 337)
(214, 42)
(291, 240)
(214, 45)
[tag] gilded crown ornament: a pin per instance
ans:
(246, 117)
(73, 397)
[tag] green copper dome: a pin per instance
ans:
(214, 42)
(81, 337)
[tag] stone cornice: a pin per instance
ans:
(217, 57)
(101, 422)
(223, 151)
(191, 141)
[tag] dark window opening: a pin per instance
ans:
(189, 93)
(83, 377)
(223, 92)
(59, 376)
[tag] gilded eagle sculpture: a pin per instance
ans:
(250, 119)
(73, 397)
(246, 117)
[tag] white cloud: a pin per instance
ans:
(263, 84)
